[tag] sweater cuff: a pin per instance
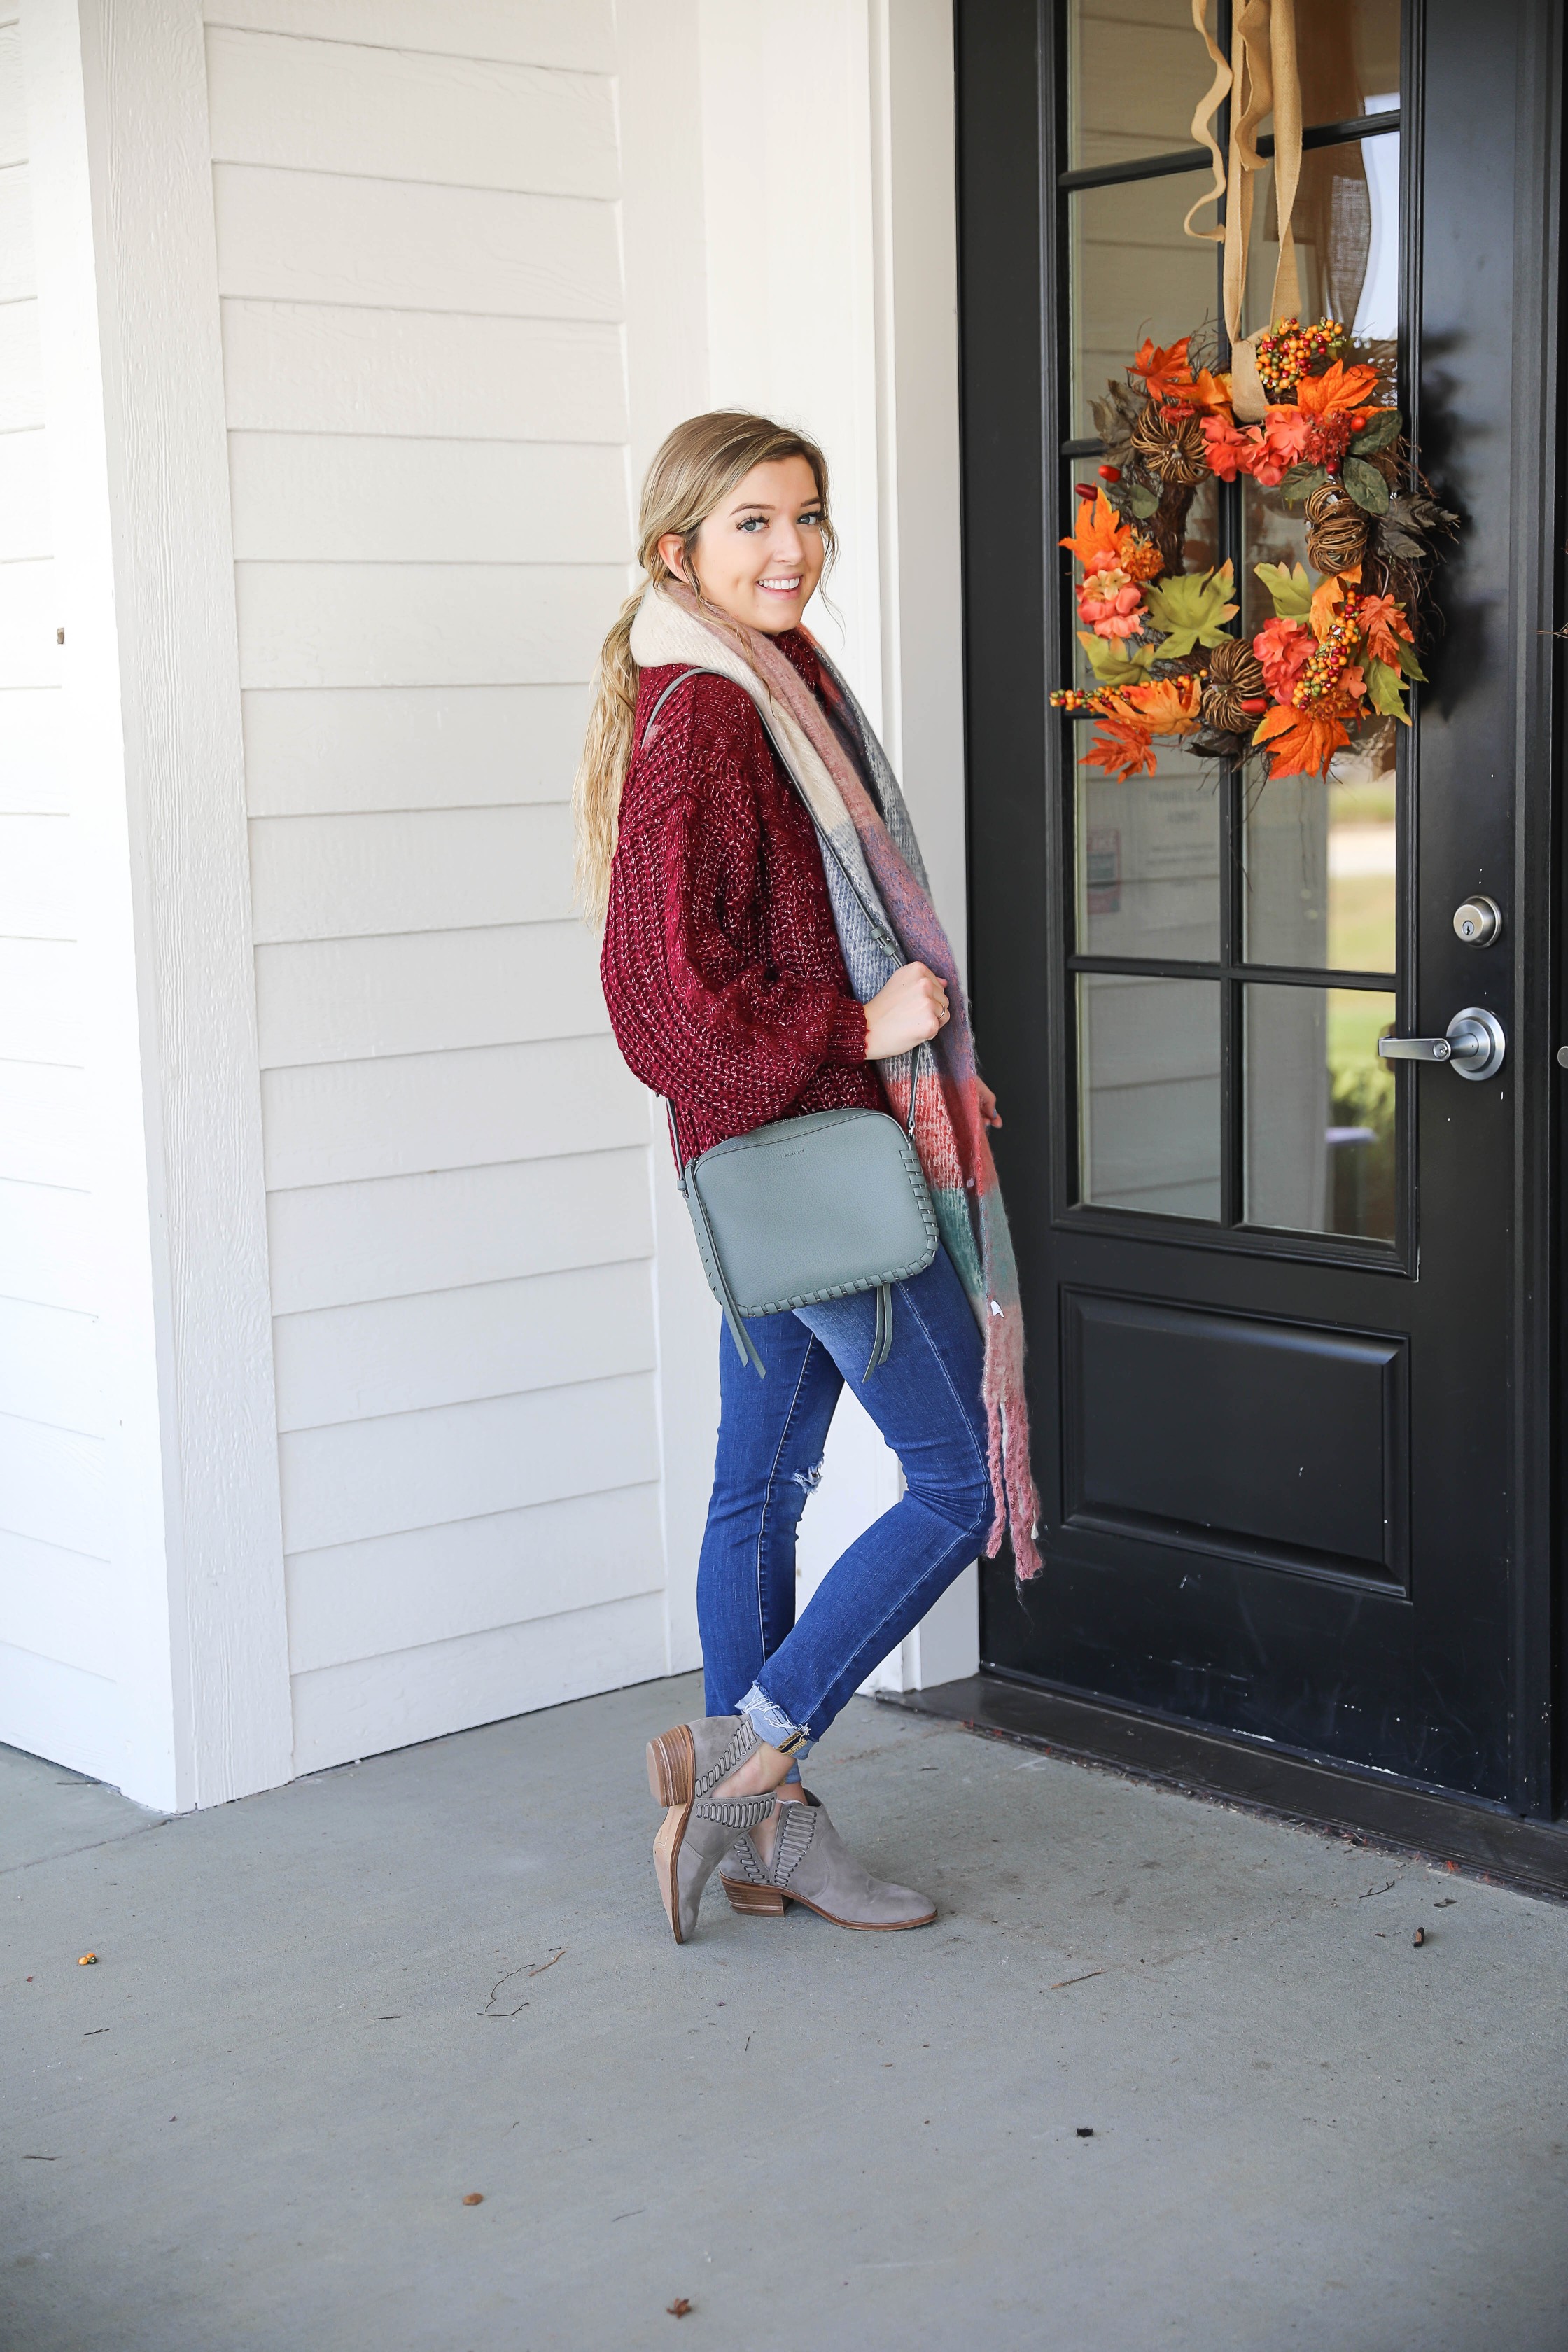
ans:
(847, 1038)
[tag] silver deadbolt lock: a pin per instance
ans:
(1478, 921)
(1473, 1045)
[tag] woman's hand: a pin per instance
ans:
(989, 1114)
(907, 1012)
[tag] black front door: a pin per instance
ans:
(1285, 1299)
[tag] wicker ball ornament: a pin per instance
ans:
(1235, 678)
(1170, 441)
(1336, 530)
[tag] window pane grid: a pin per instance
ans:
(1197, 159)
(1194, 968)
(1354, 1181)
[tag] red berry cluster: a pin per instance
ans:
(1290, 351)
(1072, 698)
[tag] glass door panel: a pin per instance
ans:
(1130, 97)
(1219, 1079)
(1148, 862)
(1134, 274)
(1346, 224)
(1132, 72)
(1149, 1057)
(1321, 866)
(1320, 1111)
(1348, 54)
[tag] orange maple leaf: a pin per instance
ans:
(1338, 387)
(1167, 705)
(1166, 373)
(1122, 747)
(1207, 391)
(1384, 626)
(1099, 532)
(1300, 742)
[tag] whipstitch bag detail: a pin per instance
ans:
(883, 912)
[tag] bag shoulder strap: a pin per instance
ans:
(653, 715)
(675, 1145)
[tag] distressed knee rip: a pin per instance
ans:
(808, 1481)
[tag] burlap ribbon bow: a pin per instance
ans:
(1261, 76)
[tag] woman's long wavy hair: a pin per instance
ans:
(698, 467)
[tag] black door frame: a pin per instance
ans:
(1009, 294)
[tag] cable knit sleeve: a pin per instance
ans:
(700, 1010)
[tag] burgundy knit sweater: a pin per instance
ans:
(721, 967)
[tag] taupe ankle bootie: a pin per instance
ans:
(811, 1865)
(694, 1840)
(684, 1765)
(695, 1756)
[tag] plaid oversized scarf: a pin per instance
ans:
(885, 918)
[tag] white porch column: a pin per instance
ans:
(133, 399)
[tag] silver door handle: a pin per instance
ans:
(1474, 1045)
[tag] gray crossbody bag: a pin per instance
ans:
(809, 1209)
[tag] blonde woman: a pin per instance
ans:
(745, 986)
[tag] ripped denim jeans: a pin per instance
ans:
(792, 1679)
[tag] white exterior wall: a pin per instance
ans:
(420, 272)
(443, 272)
(56, 1615)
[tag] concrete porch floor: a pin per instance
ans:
(322, 2017)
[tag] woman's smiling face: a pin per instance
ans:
(759, 555)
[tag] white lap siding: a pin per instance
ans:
(58, 1615)
(334, 358)
(419, 264)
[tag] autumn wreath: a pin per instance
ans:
(1337, 656)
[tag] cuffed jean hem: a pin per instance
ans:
(772, 1724)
